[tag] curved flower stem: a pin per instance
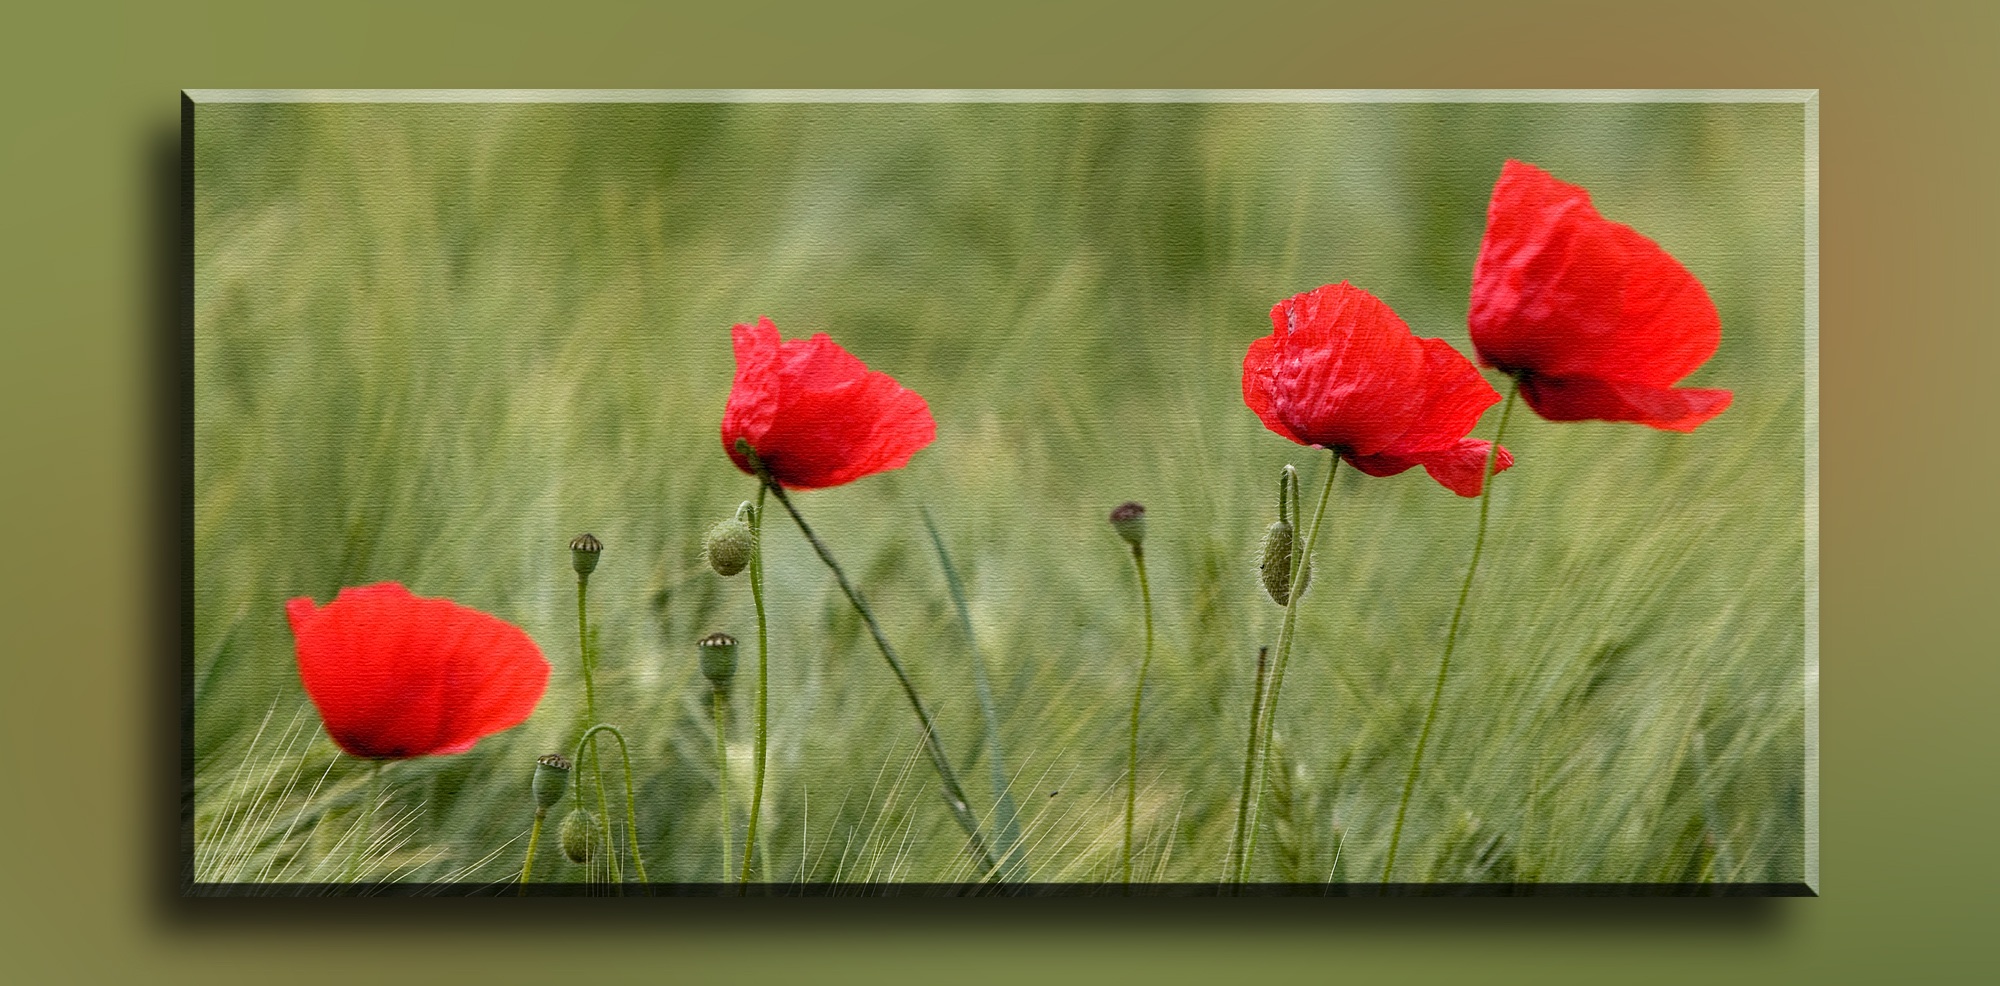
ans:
(1249, 764)
(954, 794)
(763, 680)
(1300, 563)
(590, 714)
(631, 803)
(722, 775)
(1139, 693)
(528, 863)
(1451, 636)
(366, 825)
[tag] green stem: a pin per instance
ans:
(1300, 562)
(1249, 767)
(365, 827)
(590, 716)
(631, 802)
(1139, 693)
(1451, 636)
(954, 794)
(722, 776)
(763, 679)
(534, 839)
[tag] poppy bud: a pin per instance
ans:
(579, 836)
(1129, 520)
(1276, 565)
(718, 659)
(583, 552)
(730, 544)
(551, 777)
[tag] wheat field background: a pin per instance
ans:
(433, 342)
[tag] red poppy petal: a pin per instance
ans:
(1455, 397)
(1562, 291)
(754, 397)
(1347, 372)
(828, 438)
(396, 675)
(1669, 408)
(1257, 364)
(1381, 464)
(1462, 468)
(817, 363)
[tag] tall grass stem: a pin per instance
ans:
(722, 775)
(954, 794)
(1451, 635)
(763, 682)
(1235, 874)
(1301, 560)
(1138, 695)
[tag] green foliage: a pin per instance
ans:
(432, 343)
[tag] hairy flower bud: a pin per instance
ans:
(1275, 568)
(583, 552)
(718, 659)
(1129, 520)
(730, 544)
(579, 836)
(551, 778)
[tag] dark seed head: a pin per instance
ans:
(583, 552)
(1129, 520)
(551, 778)
(718, 659)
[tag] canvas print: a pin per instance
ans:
(1001, 493)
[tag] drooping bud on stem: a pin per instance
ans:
(583, 552)
(1275, 560)
(551, 777)
(718, 660)
(1129, 520)
(730, 543)
(579, 836)
(1275, 568)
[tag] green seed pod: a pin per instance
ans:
(1129, 520)
(583, 552)
(579, 836)
(730, 544)
(551, 777)
(718, 659)
(1276, 567)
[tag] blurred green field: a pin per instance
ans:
(433, 342)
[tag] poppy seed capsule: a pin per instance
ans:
(579, 836)
(1129, 520)
(718, 659)
(1276, 566)
(729, 546)
(583, 552)
(551, 777)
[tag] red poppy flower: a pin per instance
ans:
(397, 675)
(1341, 371)
(1595, 320)
(815, 415)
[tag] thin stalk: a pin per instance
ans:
(631, 803)
(590, 715)
(722, 775)
(1249, 765)
(1138, 694)
(534, 839)
(1451, 636)
(1005, 813)
(366, 824)
(1300, 560)
(953, 793)
(763, 679)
